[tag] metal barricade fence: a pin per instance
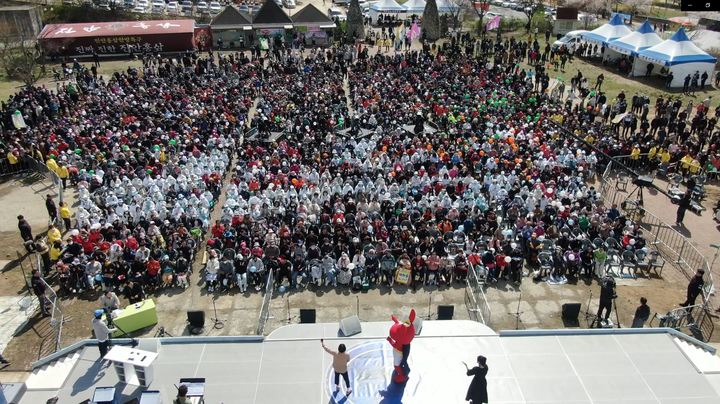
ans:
(57, 318)
(670, 243)
(673, 246)
(265, 308)
(40, 167)
(475, 298)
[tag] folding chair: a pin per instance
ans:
(628, 261)
(613, 262)
(656, 262)
(622, 181)
(612, 243)
(546, 261)
(642, 260)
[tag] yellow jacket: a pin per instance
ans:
(65, 212)
(52, 165)
(652, 152)
(62, 172)
(55, 253)
(11, 158)
(53, 235)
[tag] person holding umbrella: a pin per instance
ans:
(477, 392)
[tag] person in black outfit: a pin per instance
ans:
(683, 205)
(134, 292)
(477, 392)
(642, 313)
(694, 288)
(51, 208)
(607, 294)
(26, 233)
(39, 287)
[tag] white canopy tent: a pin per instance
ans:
(641, 39)
(614, 29)
(385, 7)
(414, 7)
(678, 55)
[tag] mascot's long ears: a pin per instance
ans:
(411, 318)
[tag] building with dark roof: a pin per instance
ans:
(232, 29)
(313, 26)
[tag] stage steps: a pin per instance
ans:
(53, 375)
(704, 361)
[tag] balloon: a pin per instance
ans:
(281, 289)
(571, 222)
(78, 151)
(571, 257)
(508, 259)
(91, 172)
(632, 241)
(156, 148)
(562, 209)
(173, 142)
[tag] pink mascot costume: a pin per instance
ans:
(401, 334)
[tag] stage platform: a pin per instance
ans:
(542, 366)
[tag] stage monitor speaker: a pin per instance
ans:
(446, 311)
(196, 320)
(570, 313)
(307, 316)
(643, 181)
(350, 326)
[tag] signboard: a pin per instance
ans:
(119, 37)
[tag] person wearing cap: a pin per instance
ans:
(694, 288)
(102, 332)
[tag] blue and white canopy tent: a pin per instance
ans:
(414, 7)
(385, 7)
(641, 39)
(678, 55)
(614, 29)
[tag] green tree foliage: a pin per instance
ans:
(355, 26)
(431, 21)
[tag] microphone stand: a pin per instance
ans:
(518, 312)
(133, 341)
(589, 315)
(617, 316)
(217, 323)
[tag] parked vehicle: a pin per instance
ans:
(158, 6)
(173, 7)
(289, 3)
(336, 13)
(570, 40)
(214, 7)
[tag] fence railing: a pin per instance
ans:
(673, 246)
(57, 317)
(265, 308)
(36, 165)
(475, 298)
(694, 319)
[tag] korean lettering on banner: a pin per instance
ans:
(83, 50)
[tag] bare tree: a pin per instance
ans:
(21, 59)
(529, 8)
(637, 6)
